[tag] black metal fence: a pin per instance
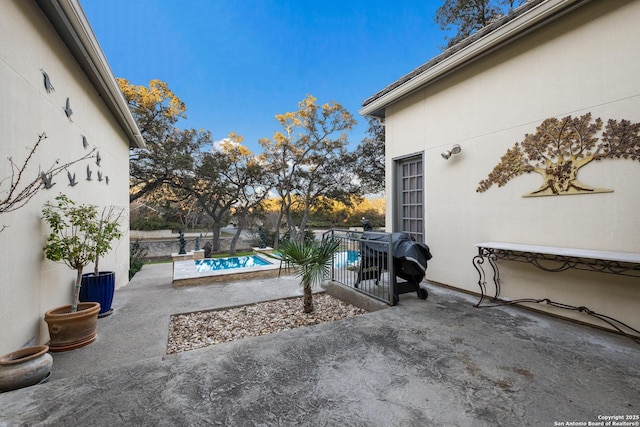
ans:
(364, 265)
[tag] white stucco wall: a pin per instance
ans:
(584, 62)
(31, 285)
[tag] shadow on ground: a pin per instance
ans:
(434, 362)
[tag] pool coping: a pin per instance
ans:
(185, 273)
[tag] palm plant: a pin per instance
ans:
(313, 261)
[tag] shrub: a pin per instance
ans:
(136, 258)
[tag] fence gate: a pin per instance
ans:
(364, 265)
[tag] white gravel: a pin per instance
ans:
(200, 329)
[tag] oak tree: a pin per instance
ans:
(369, 161)
(168, 151)
(227, 180)
(308, 160)
(468, 16)
(248, 180)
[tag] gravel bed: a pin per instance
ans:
(200, 329)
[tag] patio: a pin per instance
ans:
(438, 361)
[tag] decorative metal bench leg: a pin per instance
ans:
(478, 260)
(496, 274)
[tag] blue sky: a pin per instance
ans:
(238, 63)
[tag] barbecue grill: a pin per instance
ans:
(409, 261)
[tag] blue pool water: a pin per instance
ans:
(218, 264)
(346, 259)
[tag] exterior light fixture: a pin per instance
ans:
(456, 149)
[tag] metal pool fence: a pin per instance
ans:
(363, 264)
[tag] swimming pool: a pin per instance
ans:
(211, 270)
(346, 259)
(216, 264)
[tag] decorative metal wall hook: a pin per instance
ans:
(456, 149)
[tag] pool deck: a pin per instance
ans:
(433, 362)
(186, 274)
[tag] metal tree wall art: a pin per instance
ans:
(67, 109)
(17, 189)
(560, 147)
(72, 179)
(47, 180)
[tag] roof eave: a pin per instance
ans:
(540, 14)
(71, 24)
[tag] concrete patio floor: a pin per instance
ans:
(434, 362)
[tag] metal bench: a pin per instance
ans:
(553, 259)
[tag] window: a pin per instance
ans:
(410, 197)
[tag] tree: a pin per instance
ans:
(173, 205)
(169, 151)
(248, 181)
(309, 160)
(79, 235)
(227, 179)
(212, 191)
(333, 213)
(560, 147)
(369, 158)
(468, 16)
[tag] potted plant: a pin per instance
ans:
(314, 263)
(25, 367)
(32, 364)
(99, 286)
(77, 235)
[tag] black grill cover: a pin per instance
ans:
(409, 257)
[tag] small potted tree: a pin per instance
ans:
(77, 237)
(28, 365)
(313, 261)
(100, 286)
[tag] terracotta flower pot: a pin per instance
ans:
(69, 330)
(25, 367)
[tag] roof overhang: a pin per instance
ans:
(536, 14)
(71, 24)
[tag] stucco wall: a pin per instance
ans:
(584, 62)
(30, 285)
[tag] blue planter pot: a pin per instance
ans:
(100, 289)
